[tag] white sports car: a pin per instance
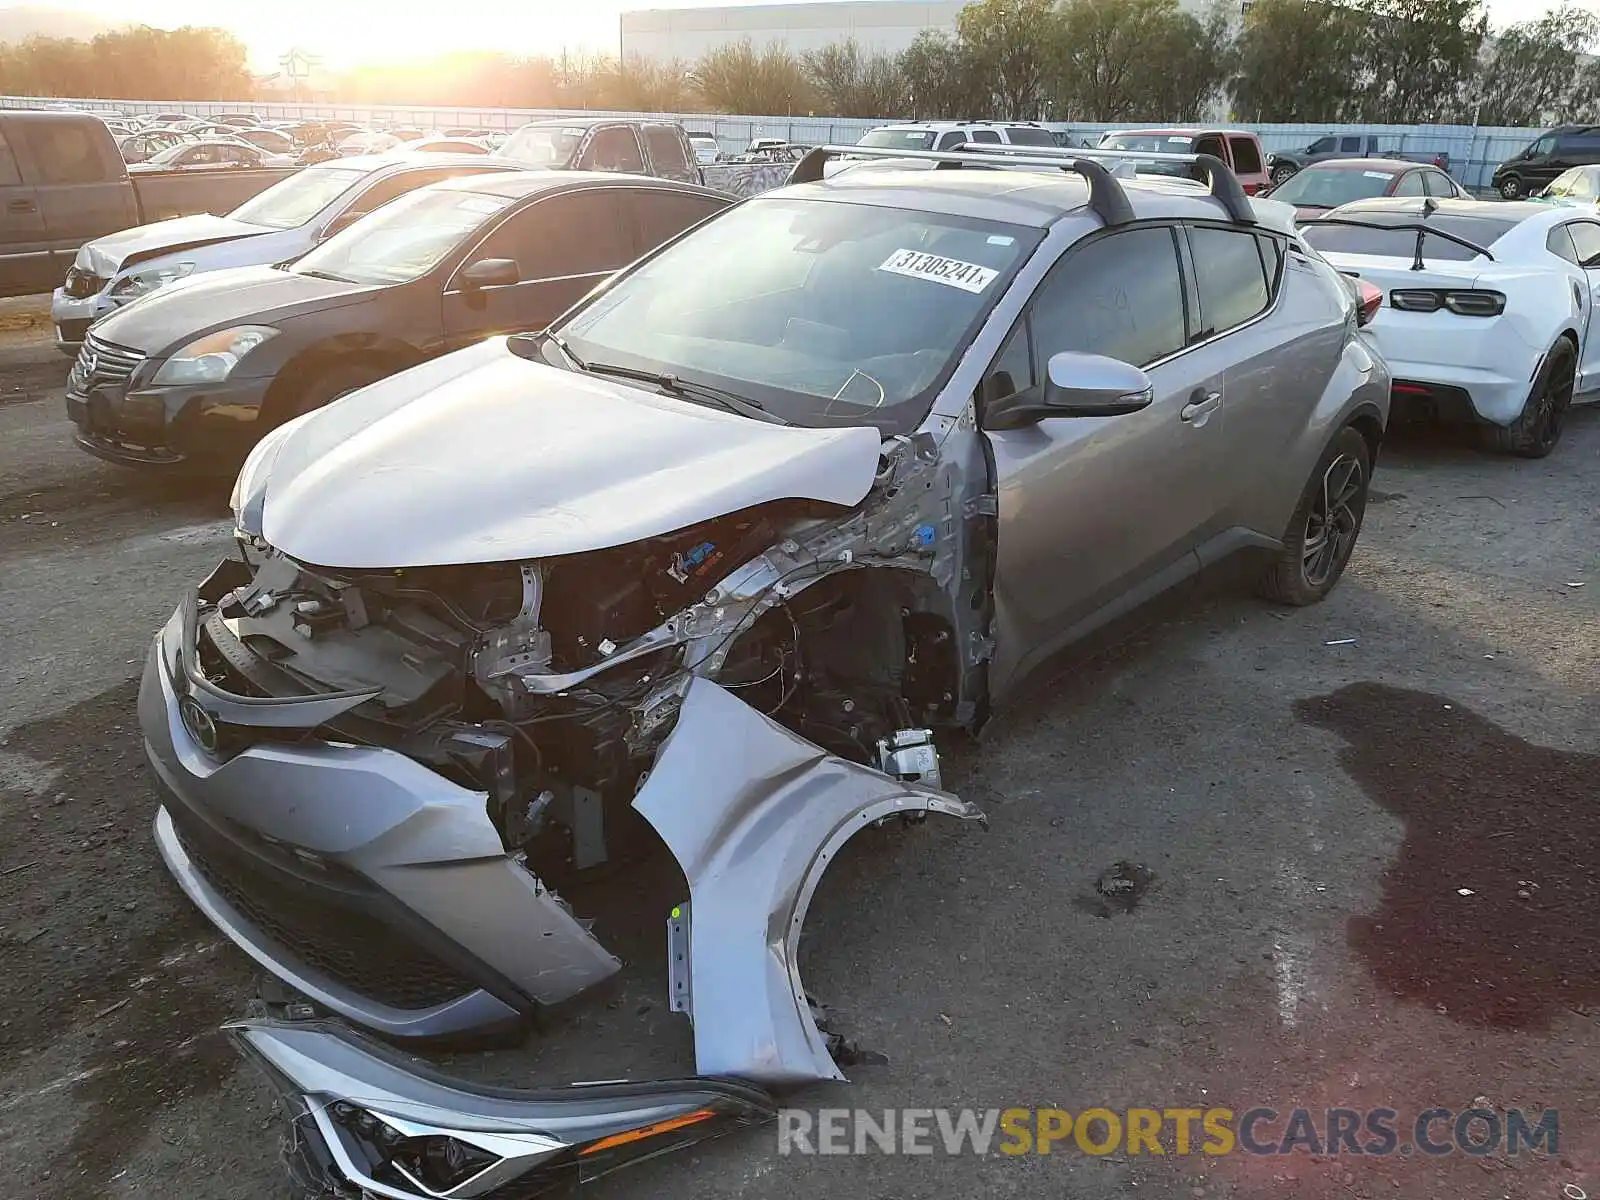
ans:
(1487, 311)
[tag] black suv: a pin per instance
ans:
(1546, 157)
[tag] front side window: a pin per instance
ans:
(986, 136)
(666, 149)
(827, 313)
(952, 139)
(294, 201)
(404, 241)
(1230, 278)
(1436, 184)
(1586, 240)
(1543, 146)
(614, 149)
(65, 152)
(1121, 296)
(577, 234)
(1029, 135)
(1350, 145)
(1409, 184)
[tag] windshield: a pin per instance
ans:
(1576, 184)
(825, 313)
(543, 145)
(1150, 143)
(1402, 243)
(1332, 186)
(297, 199)
(403, 240)
(899, 139)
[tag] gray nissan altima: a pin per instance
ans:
(714, 562)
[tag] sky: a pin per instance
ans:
(343, 32)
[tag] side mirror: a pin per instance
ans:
(490, 272)
(1076, 385)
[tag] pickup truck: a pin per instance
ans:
(1283, 163)
(633, 147)
(63, 183)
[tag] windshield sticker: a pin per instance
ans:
(1378, 174)
(1000, 239)
(1180, 141)
(952, 272)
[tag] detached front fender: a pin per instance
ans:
(754, 815)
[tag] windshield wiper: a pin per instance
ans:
(324, 275)
(539, 337)
(728, 401)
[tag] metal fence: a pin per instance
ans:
(1474, 151)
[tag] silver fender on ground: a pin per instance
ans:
(754, 814)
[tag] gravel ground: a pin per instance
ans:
(1313, 791)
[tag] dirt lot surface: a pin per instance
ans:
(1373, 830)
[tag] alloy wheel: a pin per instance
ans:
(1333, 522)
(1554, 399)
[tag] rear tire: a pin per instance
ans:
(1325, 525)
(1511, 187)
(327, 386)
(1537, 428)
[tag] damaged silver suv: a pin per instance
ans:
(714, 561)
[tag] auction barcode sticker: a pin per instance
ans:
(969, 277)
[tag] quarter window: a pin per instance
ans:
(1559, 242)
(1120, 296)
(1229, 276)
(1586, 239)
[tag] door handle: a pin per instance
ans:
(1201, 404)
(19, 206)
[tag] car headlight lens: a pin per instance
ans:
(212, 358)
(141, 283)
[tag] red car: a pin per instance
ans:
(1323, 186)
(1239, 148)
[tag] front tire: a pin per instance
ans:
(1511, 187)
(1280, 173)
(1537, 428)
(1325, 525)
(329, 385)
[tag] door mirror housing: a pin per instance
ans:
(1076, 385)
(490, 272)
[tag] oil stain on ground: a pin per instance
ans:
(1491, 911)
(103, 956)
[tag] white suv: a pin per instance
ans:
(946, 135)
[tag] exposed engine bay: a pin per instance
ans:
(549, 684)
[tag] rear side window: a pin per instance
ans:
(1559, 242)
(1230, 277)
(1246, 158)
(1436, 184)
(64, 152)
(1399, 243)
(1410, 184)
(1586, 240)
(1029, 135)
(1120, 296)
(8, 164)
(576, 234)
(666, 149)
(660, 215)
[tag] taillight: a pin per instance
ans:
(1368, 300)
(1465, 303)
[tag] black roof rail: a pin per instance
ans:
(1107, 200)
(1215, 174)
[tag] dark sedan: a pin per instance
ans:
(1324, 186)
(195, 373)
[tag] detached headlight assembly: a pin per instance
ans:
(142, 283)
(211, 359)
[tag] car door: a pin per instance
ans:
(1586, 244)
(669, 153)
(563, 245)
(26, 262)
(1245, 158)
(1095, 513)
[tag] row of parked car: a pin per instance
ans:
(750, 503)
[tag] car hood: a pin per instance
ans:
(107, 255)
(483, 456)
(213, 300)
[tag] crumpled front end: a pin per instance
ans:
(367, 1122)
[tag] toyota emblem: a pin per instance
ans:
(198, 722)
